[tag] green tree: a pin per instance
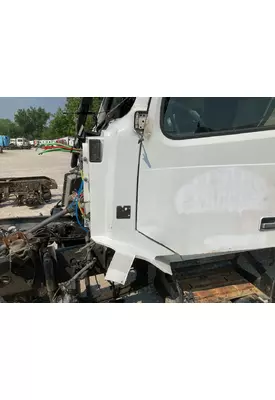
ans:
(9, 128)
(32, 121)
(94, 109)
(15, 130)
(59, 125)
(64, 121)
(46, 134)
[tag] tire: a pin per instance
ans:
(47, 195)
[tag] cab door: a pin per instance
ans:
(207, 175)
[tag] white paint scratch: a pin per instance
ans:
(230, 189)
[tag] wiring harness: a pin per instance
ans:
(76, 204)
(55, 146)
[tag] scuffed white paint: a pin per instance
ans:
(206, 195)
(112, 183)
(226, 189)
(196, 197)
(234, 242)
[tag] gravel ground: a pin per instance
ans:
(20, 163)
(145, 295)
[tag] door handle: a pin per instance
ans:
(267, 224)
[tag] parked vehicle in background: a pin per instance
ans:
(36, 142)
(46, 141)
(19, 143)
(4, 142)
(66, 140)
(12, 144)
(23, 143)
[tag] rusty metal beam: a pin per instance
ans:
(219, 285)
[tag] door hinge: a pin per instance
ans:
(140, 121)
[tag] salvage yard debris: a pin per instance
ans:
(30, 191)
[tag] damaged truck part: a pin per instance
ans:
(172, 194)
(30, 191)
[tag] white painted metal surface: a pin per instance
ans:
(113, 182)
(189, 198)
(119, 267)
(206, 196)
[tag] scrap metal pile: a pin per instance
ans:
(30, 191)
(56, 261)
(29, 259)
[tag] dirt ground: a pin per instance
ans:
(19, 163)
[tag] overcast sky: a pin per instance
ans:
(9, 105)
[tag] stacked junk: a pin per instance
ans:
(30, 191)
(36, 190)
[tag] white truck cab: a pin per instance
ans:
(19, 142)
(174, 196)
(22, 142)
(174, 179)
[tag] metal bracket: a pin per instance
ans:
(119, 268)
(123, 212)
(140, 121)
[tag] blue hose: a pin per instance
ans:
(80, 188)
(76, 206)
(75, 202)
